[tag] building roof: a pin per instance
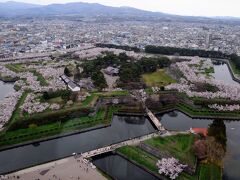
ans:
(202, 131)
(73, 86)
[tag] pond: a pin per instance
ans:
(122, 128)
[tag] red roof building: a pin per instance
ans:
(202, 131)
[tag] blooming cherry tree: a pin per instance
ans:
(170, 167)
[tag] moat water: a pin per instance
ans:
(122, 128)
(120, 168)
(221, 72)
(5, 88)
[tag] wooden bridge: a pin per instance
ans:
(134, 141)
(155, 120)
(113, 147)
(141, 97)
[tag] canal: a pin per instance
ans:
(232, 158)
(221, 73)
(120, 168)
(122, 128)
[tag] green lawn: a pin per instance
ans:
(140, 157)
(112, 93)
(179, 146)
(22, 135)
(57, 100)
(90, 101)
(210, 172)
(206, 112)
(209, 71)
(102, 117)
(16, 113)
(146, 160)
(40, 78)
(158, 78)
(15, 67)
(234, 68)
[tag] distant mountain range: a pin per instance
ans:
(13, 9)
(18, 9)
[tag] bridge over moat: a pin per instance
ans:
(141, 96)
(155, 120)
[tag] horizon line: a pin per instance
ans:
(204, 16)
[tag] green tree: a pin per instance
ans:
(164, 62)
(217, 129)
(99, 80)
(130, 72)
(148, 65)
(67, 72)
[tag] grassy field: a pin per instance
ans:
(179, 146)
(234, 68)
(209, 71)
(34, 132)
(112, 94)
(206, 112)
(210, 172)
(146, 160)
(158, 78)
(40, 78)
(15, 67)
(16, 113)
(17, 119)
(140, 157)
(22, 135)
(57, 100)
(90, 101)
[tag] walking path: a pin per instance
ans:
(142, 96)
(113, 147)
(71, 168)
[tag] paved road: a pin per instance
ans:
(72, 168)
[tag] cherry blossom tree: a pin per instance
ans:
(170, 167)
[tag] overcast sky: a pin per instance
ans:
(181, 7)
